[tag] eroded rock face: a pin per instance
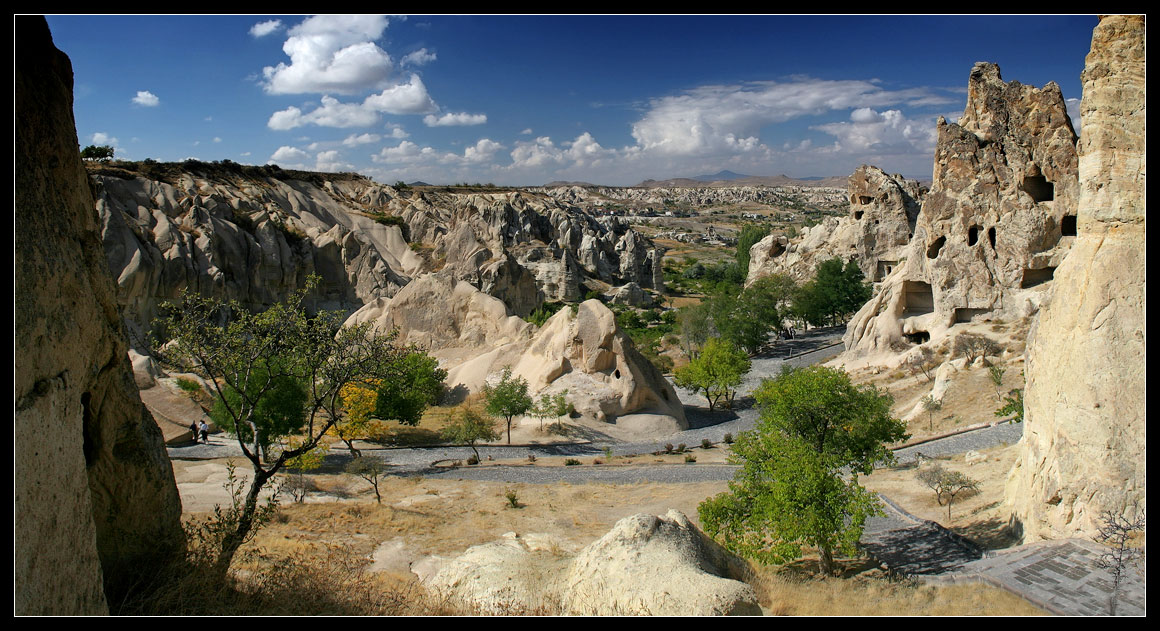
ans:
(584, 352)
(95, 502)
(996, 223)
(1085, 440)
(883, 212)
(646, 565)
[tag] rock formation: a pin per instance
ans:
(1084, 446)
(95, 504)
(646, 565)
(582, 351)
(253, 234)
(883, 212)
(996, 223)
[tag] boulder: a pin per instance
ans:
(1084, 448)
(95, 506)
(646, 565)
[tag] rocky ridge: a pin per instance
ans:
(998, 220)
(255, 237)
(1084, 448)
(875, 233)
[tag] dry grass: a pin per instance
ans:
(786, 592)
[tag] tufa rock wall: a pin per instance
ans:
(1084, 447)
(95, 503)
(883, 211)
(996, 223)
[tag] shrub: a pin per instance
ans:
(188, 385)
(971, 345)
(706, 443)
(690, 458)
(728, 439)
(513, 499)
(472, 460)
(668, 448)
(532, 458)
(571, 462)
(682, 448)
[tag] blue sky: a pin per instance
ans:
(524, 100)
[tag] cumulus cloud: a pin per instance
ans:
(332, 54)
(145, 98)
(457, 119)
(286, 154)
(482, 151)
(397, 131)
(584, 151)
(881, 132)
(404, 98)
(526, 132)
(262, 29)
(1073, 113)
(217, 139)
(361, 139)
(418, 58)
(330, 162)
(405, 152)
(727, 119)
(101, 138)
(331, 113)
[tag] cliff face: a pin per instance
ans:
(246, 235)
(883, 211)
(996, 223)
(1085, 440)
(95, 502)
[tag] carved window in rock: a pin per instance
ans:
(1068, 226)
(933, 250)
(973, 235)
(1039, 188)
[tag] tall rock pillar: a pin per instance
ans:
(1085, 440)
(95, 502)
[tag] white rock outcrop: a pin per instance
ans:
(1084, 448)
(646, 565)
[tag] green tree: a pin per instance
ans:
(931, 405)
(1012, 406)
(791, 490)
(836, 292)
(748, 237)
(716, 372)
(470, 427)
(551, 406)
(100, 153)
(508, 398)
(251, 354)
(947, 485)
(279, 413)
(416, 382)
(695, 327)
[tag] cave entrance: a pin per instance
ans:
(973, 235)
(1033, 277)
(933, 250)
(1068, 226)
(917, 298)
(858, 214)
(963, 315)
(884, 269)
(991, 236)
(1039, 188)
(918, 337)
(863, 199)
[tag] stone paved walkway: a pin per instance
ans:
(1060, 576)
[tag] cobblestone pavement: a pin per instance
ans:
(1059, 576)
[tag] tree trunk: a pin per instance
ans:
(235, 539)
(827, 561)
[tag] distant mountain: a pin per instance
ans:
(418, 183)
(722, 176)
(559, 183)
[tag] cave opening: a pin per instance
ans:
(1039, 188)
(1033, 277)
(858, 214)
(933, 250)
(991, 236)
(863, 199)
(917, 298)
(1069, 226)
(973, 235)
(918, 337)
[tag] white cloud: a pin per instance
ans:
(286, 154)
(397, 131)
(216, 139)
(145, 98)
(406, 151)
(450, 120)
(361, 139)
(101, 138)
(331, 113)
(526, 132)
(332, 53)
(262, 29)
(482, 151)
(404, 98)
(537, 153)
(330, 161)
(420, 57)
(1073, 113)
(888, 132)
(727, 119)
(244, 153)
